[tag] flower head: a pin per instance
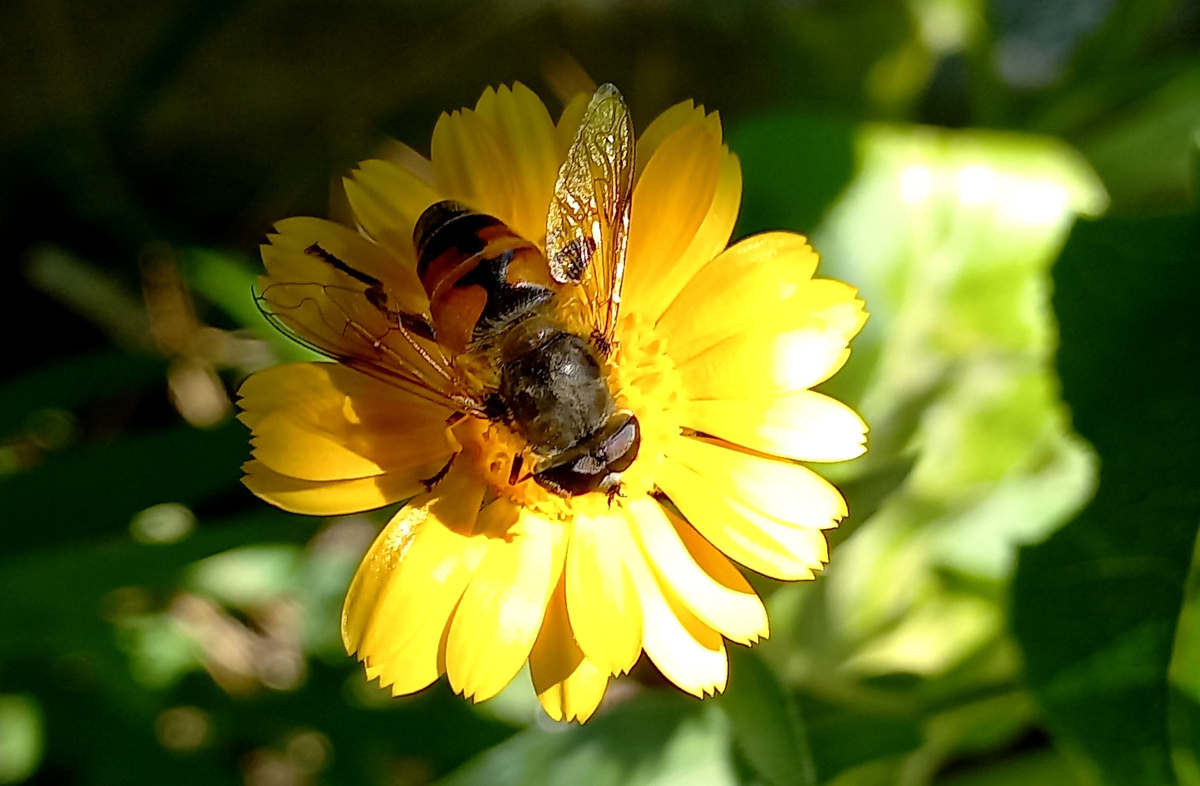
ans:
(715, 354)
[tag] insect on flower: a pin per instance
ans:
(592, 403)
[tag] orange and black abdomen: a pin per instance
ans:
(480, 276)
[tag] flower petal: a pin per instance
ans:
(651, 285)
(332, 498)
(733, 292)
(806, 425)
(568, 684)
(764, 544)
(498, 618)
(468, 164)
(671, 200)
(675, 117)
(399, 604)
(603, 606)
(569, 121)
(687, 652)
(323, 421)
(700, 576)
(794, 346)
(789, 492)
(288, 261)
(387, 201)
(526, 137)
(310, 291)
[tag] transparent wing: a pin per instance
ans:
(348, 317)
(587, 228)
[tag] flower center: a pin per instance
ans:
(642, 380)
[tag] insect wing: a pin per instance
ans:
(587, 228)
(349, 317)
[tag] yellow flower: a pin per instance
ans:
(717, 351)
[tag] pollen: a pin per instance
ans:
(645, 381)
(492, 450)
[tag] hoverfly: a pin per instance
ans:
(512, 335)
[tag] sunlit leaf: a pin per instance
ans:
(950, 236)
(655, 738)
(21, 737)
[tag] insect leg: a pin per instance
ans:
(434, 479)
(515, 472)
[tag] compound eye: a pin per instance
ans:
(581, 476)
(600, 468)
(621, 447)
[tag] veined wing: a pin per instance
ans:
(587, 227)
(348, 317)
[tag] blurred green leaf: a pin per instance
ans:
(231, 284)
(844, 737)
(793, 167)
(70, 383)
(1095, 607)
(654, 738)
(1041, 768)
(766, 724)
(21, 737)
(95, 491)
(65, 612)
(1144, 153)
(950, 236)
(1183, 723)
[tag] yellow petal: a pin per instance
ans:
(405, 674)
(496, 622)
(568, 123)
(399, 605)
(526, 137)
(603, 606)
(333, 498)
(323, 303)
(780, 489)
(277, 387)
(468, 164)
(653, 283)
(687, 652)
(667, 123)
(671, 200)
(765, 545)
(750, 279)
(568, 685)
(287, 261)
(354, 396)
(322, 421)
(387, 201)
(792, 345)
(806, 425)
(703, 580)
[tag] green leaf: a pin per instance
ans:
(950, 236)
(70, 383)
(230, 283)
(21, 737)
(96, 490)
(844, 737)
(1184, 675)
(654, 738)
(793, 166)
(1095, 607)
(766, 724)
(1144, 153)
(1040, 768)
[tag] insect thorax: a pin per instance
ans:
(553, 385)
